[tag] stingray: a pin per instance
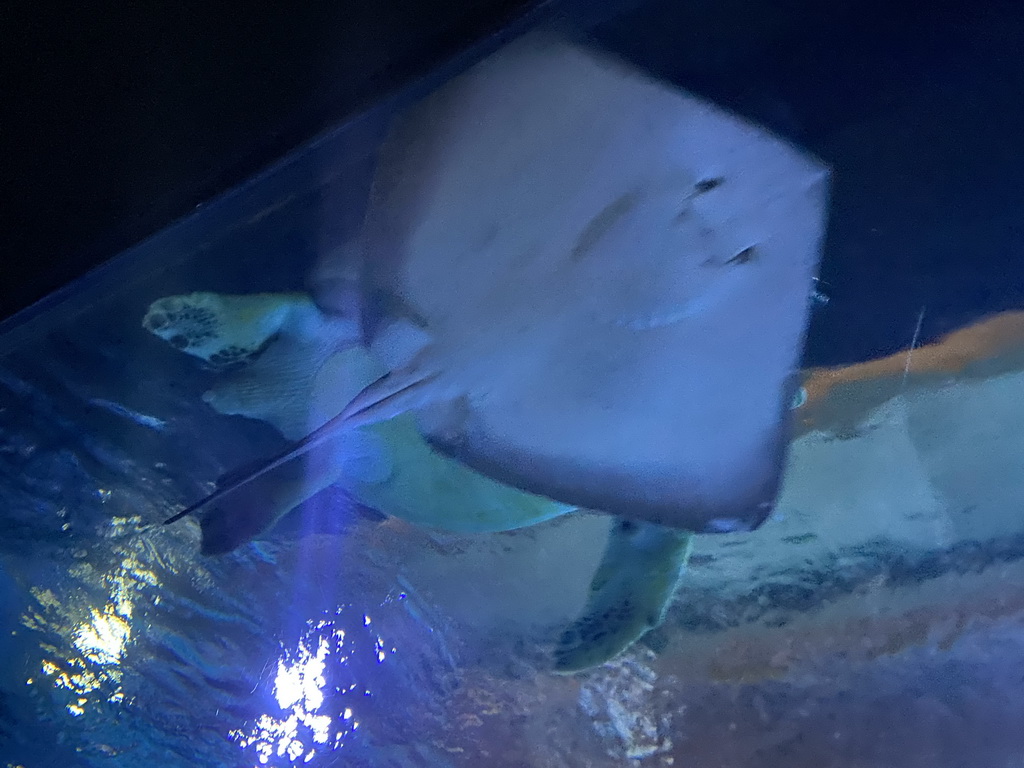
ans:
(590, 285)
(292, 364)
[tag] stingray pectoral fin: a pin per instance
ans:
(631, 590)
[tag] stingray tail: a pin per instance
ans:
(630, 592)
(315, 438)
(391, 395)
(387, 397)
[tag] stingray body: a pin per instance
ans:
(590, 286)
(609, 278)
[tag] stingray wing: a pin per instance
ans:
(614, 275)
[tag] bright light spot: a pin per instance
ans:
(366, 620)
(304, 680)
(295, 750)
(119, 526)
(99, 642)
(103, 639)
(299, 690)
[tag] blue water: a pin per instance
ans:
(123, 647)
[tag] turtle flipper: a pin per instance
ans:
(254, 508)
(273, 345)
(630, 591)
(250, 509)
(275, 388)
(221, 329)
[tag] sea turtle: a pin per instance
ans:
(585, 283)
(576, 286)
(295, 364)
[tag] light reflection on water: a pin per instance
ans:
(301, 726)
(136, 634)
(93, 674)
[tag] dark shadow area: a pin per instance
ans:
(121, 119)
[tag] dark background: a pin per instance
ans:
(118, 119)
